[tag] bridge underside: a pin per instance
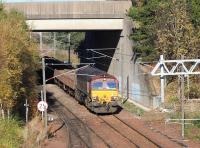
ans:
(75, 24)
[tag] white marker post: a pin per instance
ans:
(162, 81)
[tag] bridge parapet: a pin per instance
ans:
(72, 9)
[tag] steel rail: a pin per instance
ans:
(65, 124)
(134, 129)
(179, 143)
(118, 131)
(85, 124)
(73, 130)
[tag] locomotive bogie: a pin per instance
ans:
(96, 107)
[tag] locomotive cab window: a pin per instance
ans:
(97, 85)
(110, 85)
(104, 84)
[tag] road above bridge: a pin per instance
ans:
(72, 9)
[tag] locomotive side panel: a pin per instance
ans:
(82, 84)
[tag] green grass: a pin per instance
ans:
(133, 108)
(10, 133)
(174, 115)
(192, 132)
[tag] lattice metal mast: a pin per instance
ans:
(181, 68)
(190, 67)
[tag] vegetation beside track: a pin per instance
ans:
(133, 108)
(169, 27)
(18, 64)
(192, 132)
(62, 44)
(192, 128)
(18, 79)
(10, 133)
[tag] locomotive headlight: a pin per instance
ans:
(95, 98)
(114, 98)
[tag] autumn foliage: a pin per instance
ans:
(18, 63)
(168, 27)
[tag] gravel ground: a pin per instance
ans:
(58, 137)
(172, 131)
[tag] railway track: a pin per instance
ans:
(135, 130)
(77, 137)
(60, 117)
(127, 131)
(91, 130)
(73, 137)
(139, 132)
(170, 138)
(78, 131)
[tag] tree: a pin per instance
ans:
(194, 10)
(144, 35)
(62, 39)
(19, 62)
(164, 27)
(168, 27)
(175, 33)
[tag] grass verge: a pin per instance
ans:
(192, 128)
(10, 133)
(133, 108)
(192, 132)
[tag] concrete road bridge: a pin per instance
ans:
(74, 15)
(106, 26)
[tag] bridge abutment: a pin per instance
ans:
(133, 81)
(118, 59)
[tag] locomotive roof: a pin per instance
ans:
(92, 73)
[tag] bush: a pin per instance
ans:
(197, 122)
(173, 99)
(133, 109)
(10, 133)
(194, 91)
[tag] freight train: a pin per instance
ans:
(94, 88)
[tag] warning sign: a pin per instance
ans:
(42, 106)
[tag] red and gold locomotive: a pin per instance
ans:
(95, 88)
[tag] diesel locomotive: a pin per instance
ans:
(94, 88)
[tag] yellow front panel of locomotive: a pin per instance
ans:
(104, 96)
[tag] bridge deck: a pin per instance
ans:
(72, 9)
